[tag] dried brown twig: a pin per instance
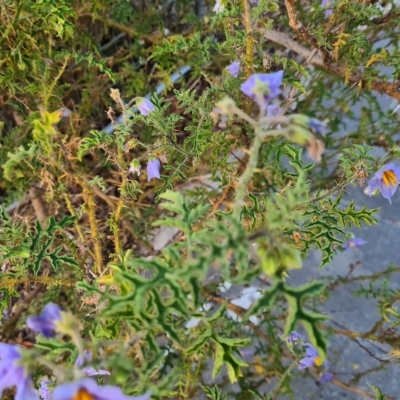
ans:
(391, 89)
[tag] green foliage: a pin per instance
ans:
(377, 393)
(98, 140)
(41, 245)
(15, 166)
(180, 206)
(326, 223)
(240, 198)
(296, 313)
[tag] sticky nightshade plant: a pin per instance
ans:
(88, 371)
(153, 169)
(262, 88)
(45, 323)
(386, 180)
(353, 243)
(311, 357)
(13, 374)
(88, 389)
(234, 69)
(144, 106)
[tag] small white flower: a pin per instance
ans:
(218, 6)
(135, 167)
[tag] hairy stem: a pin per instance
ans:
(73, 213)
(248, 68)
(275, 390)
(90, 204)
(246, 176)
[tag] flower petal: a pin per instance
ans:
(306, 362)
(153, 169)
(388, 191)
(69, 390)
(374, 184)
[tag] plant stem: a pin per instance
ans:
(248, 68)
(247, 174)
(275, 390)
(249, 39)
(90, 204)
(334, 190)
(53, 84)
(73, 213)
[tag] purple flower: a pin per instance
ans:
(45, 323)
(45, 389)
(218, 6)
(273, 110)
(317, 126)
(311, 357)
(263, 87)
(294, 338)
(13, 374)
(88, 371)
(234, 69)
(87, 389)
(144, 106)
(64, 112)
(386, 180)
(324, 4)
(246, 352)
(254, 2)
(354, 242)
(153, 169)
(326, 377)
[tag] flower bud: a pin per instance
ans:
(298, 134)
(290, 258)
(226, 106)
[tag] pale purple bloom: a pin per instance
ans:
(254, 2)
(273, 110)
(153, 169)
(45, 389)
(65, 113)
(326, 377)
(12, 374)
(144, 106)
(386, 180)
(354, 242)
(90, 389)
(88, 371)
(294, 337)
(234, 69)
(247, 352)
(324, 4)
(45, 323)
(218, 6)
(262, 88)
(317, 126)
(311, 357)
